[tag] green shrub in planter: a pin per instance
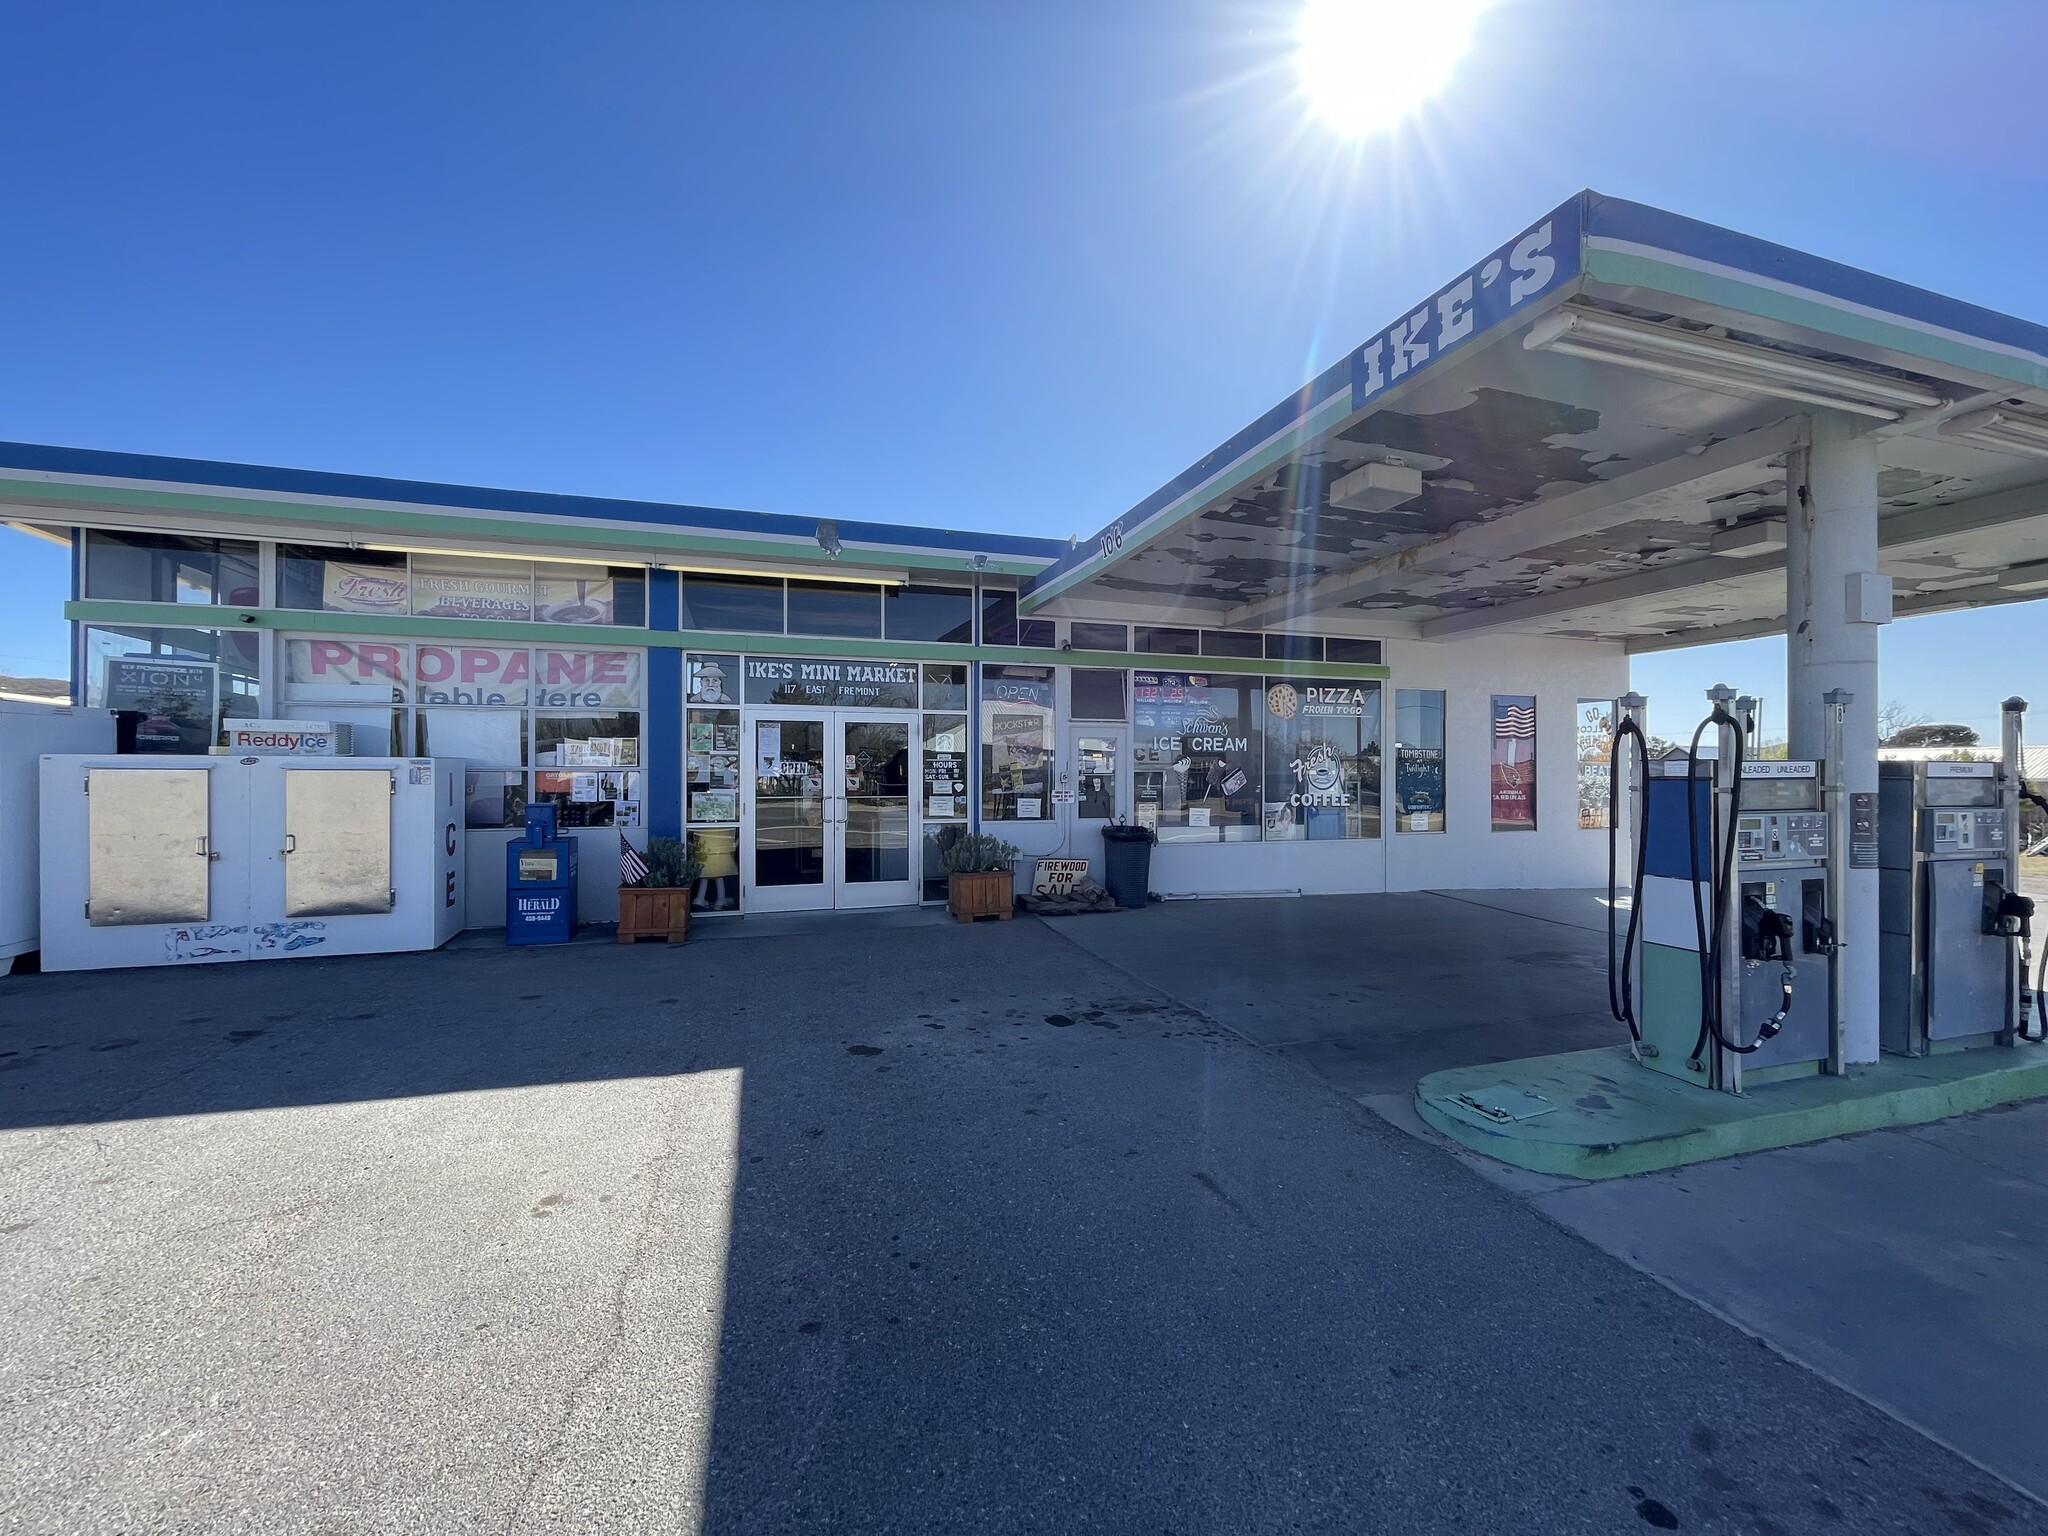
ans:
(669, 865)
(976, 853)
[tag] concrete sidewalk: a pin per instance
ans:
(1906, 1264)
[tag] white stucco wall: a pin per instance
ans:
(1469, 853)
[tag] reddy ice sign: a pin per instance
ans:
(544, 677)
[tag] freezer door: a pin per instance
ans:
(147, 846)
(337, 841)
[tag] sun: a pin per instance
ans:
(1367, 64)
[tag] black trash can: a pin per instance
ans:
(1127, 863)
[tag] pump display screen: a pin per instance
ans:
(539, 864)
(1962, 791)
(1780, 794)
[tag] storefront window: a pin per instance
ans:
(929, 613)
(1514, 762)
(713, 680)
(1000, 624)
(168, 568)
(749, 605)
(945, 686)
(1595, 751)
(1322, 751)
(553, 722)
(712, 761)
(1086, 636)
(1419, 804)
(1098, 694)
(1095, 767)
(835, 609)
(1016, 743)
(388, 582)
(181, 682)
(1195, 757)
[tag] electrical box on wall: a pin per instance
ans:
(1869, 598)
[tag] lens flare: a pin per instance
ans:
(1366, 65)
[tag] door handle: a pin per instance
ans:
(291, 845)
(200, 850)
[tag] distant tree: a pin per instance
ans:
(1776, 751)
(1894, 718)
(1924, 735)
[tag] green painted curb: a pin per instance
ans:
(1613, 1117)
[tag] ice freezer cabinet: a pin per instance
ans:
(181, 860)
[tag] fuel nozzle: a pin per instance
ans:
(1766, 932)
(2012, 917)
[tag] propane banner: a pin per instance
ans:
(545, 677)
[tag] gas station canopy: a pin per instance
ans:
(1584, 436)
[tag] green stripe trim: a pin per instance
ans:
(1314, 424)
(648, 541)
(506, 631)
(1627, 269)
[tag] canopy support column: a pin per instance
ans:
(1835, 601)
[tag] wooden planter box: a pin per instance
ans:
(987, 895)
(653, 912)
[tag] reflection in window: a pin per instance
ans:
(1322, 743)
(1087, 636)
(1195, 757)
(180, 683)
(740, 604)
(929, 613)
(1097, 694)
(835, 609)
(169, 568)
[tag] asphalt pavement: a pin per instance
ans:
(881, 1224)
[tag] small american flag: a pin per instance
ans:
(632, 864)
(1514, 719)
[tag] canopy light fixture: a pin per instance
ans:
(1713, 362)
(842, 575)
(2001, 427)
(528, 556)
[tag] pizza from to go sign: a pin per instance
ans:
(1056, 877)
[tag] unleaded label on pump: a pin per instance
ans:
(1770, 769)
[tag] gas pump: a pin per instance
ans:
(1956, 935)
(1729, 966)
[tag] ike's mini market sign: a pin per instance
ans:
(543, 677)
(831, 684)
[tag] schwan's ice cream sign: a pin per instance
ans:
(1539, 261)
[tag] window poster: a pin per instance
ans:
(348, 588)
(715, 805)
(179, 701)
(453, 588)
(572, 594)
(1595, 733)
(1419, 779)
(1514, 762)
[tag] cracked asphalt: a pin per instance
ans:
(862, 1225)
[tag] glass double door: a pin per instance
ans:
(829, 820)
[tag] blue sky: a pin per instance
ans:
(1004, 266)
